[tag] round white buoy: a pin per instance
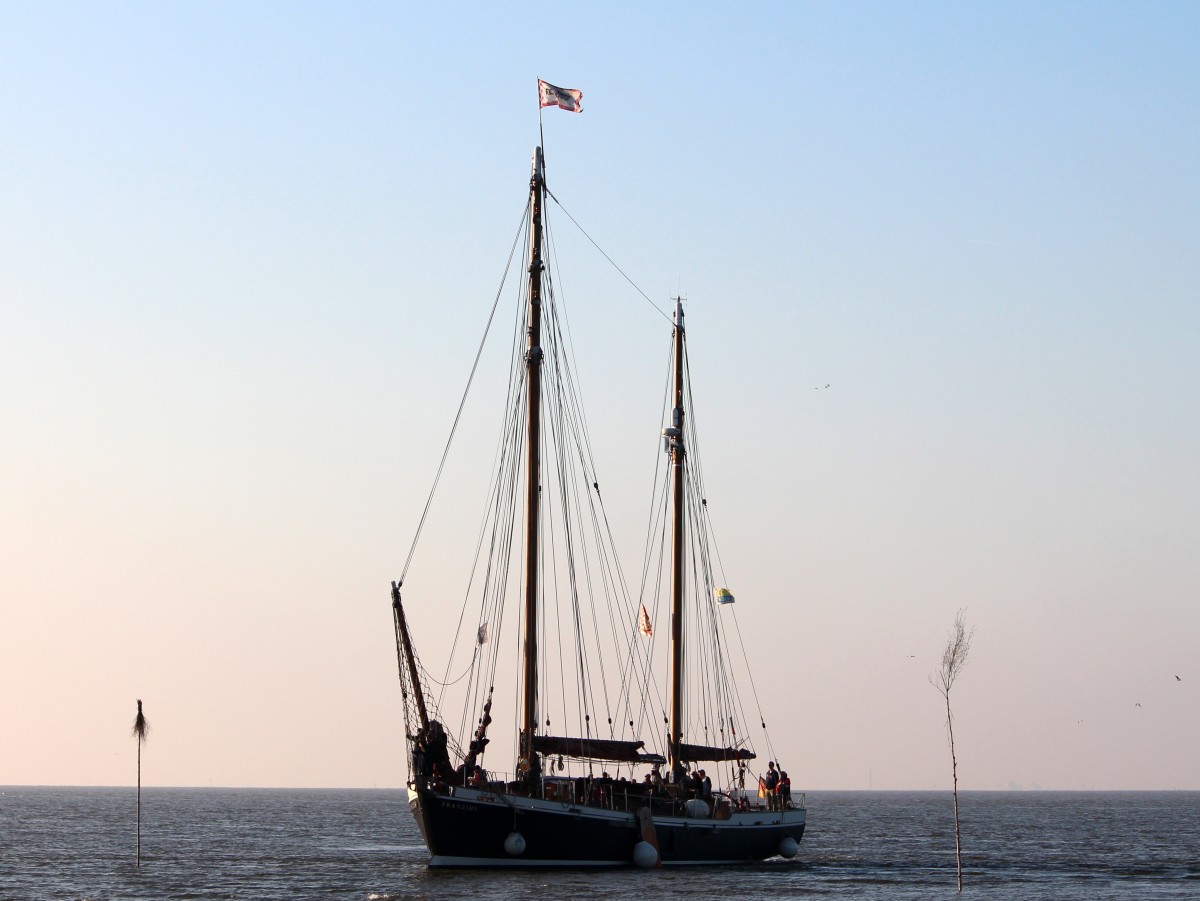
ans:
(645, 855)
(514, 845)
(788, 847)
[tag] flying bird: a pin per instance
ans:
(1177, 679)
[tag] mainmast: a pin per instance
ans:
(674, 436)
(533, 371)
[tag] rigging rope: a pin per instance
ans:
(579, 567)
(463, 401)
(429, 676)
(610, 259)
(707, 523)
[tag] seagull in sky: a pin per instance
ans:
(1177, 679)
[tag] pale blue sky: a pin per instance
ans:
(246, 251)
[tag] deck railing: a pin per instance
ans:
(613, 794)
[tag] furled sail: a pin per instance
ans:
(595, 749)
(693, 753)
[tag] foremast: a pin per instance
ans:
(533, 372)
(675, 446)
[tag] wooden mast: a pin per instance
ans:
(674, 435)
(533, 372)
(408, 658)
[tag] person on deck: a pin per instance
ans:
(783, 791)
(694, 784)
(770, 781)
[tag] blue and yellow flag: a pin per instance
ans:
(723, 595)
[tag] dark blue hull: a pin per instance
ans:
(469, 828)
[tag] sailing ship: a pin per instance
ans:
(587, 700)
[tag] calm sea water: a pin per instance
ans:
(78, 843)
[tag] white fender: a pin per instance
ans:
(645, 855)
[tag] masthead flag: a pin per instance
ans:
(644, 622)
(723, 595)
(563, 98)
